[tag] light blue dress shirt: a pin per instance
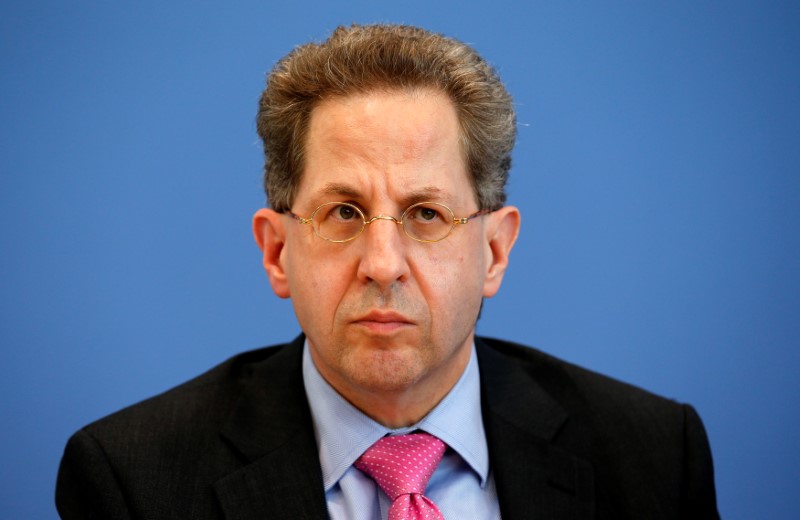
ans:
(462, 486)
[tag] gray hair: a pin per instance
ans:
(359, 59)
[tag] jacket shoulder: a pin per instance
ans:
(159, 457)
(568, 382)
(649, 454)
(195, 409)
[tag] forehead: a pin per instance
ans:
(385, 144)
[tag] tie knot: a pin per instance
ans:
(402, 464)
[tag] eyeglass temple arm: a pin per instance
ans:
(464, 220)
(299, 218)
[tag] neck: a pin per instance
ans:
(397, 410)
(401, 404)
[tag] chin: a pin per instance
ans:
(386, 370)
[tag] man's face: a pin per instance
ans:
(384, 314)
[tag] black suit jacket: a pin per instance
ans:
(238, 442)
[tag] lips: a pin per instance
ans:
(383, 322)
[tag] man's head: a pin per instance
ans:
(361, 59)
(389, 320)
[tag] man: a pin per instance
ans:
(387, 152)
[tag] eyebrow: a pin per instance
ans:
(337, 188)
(426, 193)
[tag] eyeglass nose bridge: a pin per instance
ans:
(382, 217)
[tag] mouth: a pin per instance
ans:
(383, 322)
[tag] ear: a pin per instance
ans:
(502, 229)
(270, 236)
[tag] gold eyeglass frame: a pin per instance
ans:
(365, 222)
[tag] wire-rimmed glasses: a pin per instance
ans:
(423, 221)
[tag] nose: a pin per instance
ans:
(384, 256)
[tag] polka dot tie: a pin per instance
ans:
(402, 465)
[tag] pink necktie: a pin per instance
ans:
(402, 465)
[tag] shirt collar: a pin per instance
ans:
(343, 432)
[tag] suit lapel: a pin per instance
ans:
(271, 429)
(535, 478)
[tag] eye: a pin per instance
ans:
(337, 213)
(426, 214)
(344, 212)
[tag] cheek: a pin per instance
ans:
(452, 276)
(320, 280)
(316, 280)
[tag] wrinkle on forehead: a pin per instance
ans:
(417, 194)
(373, 139)
(399, 145)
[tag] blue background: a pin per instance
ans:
(657, 171)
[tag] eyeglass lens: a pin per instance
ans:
(340, 221)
